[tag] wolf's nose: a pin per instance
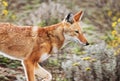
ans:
(87, 43)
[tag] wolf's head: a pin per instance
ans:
(72, 28)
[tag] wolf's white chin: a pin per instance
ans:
(75, 39)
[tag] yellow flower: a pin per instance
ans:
(118, 20)
(115, 54)
(5, 12)
(118, 39)
(87, 58)
(114, 18)
(5, 3)
(93, 60)
(114, 32)
(114, 24)
(83, 52)
(115, 44)
(109, 13)
(88, 69)
(13, 16)
(76, 64)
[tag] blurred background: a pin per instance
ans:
(100, 61)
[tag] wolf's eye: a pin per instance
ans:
(76, 31)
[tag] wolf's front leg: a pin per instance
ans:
(42, 73)
(29, 70)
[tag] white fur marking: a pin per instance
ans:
(55, 49)
(25, 71)
(34, 31)
(77, 40)
(44, 56)
(41, 72)
(34, 28)
(8, 56)
(67, 37)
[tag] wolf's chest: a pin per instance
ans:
(44, 57)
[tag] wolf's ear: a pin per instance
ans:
(69, 18)
(78, 16)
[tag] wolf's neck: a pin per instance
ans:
(56, 34)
